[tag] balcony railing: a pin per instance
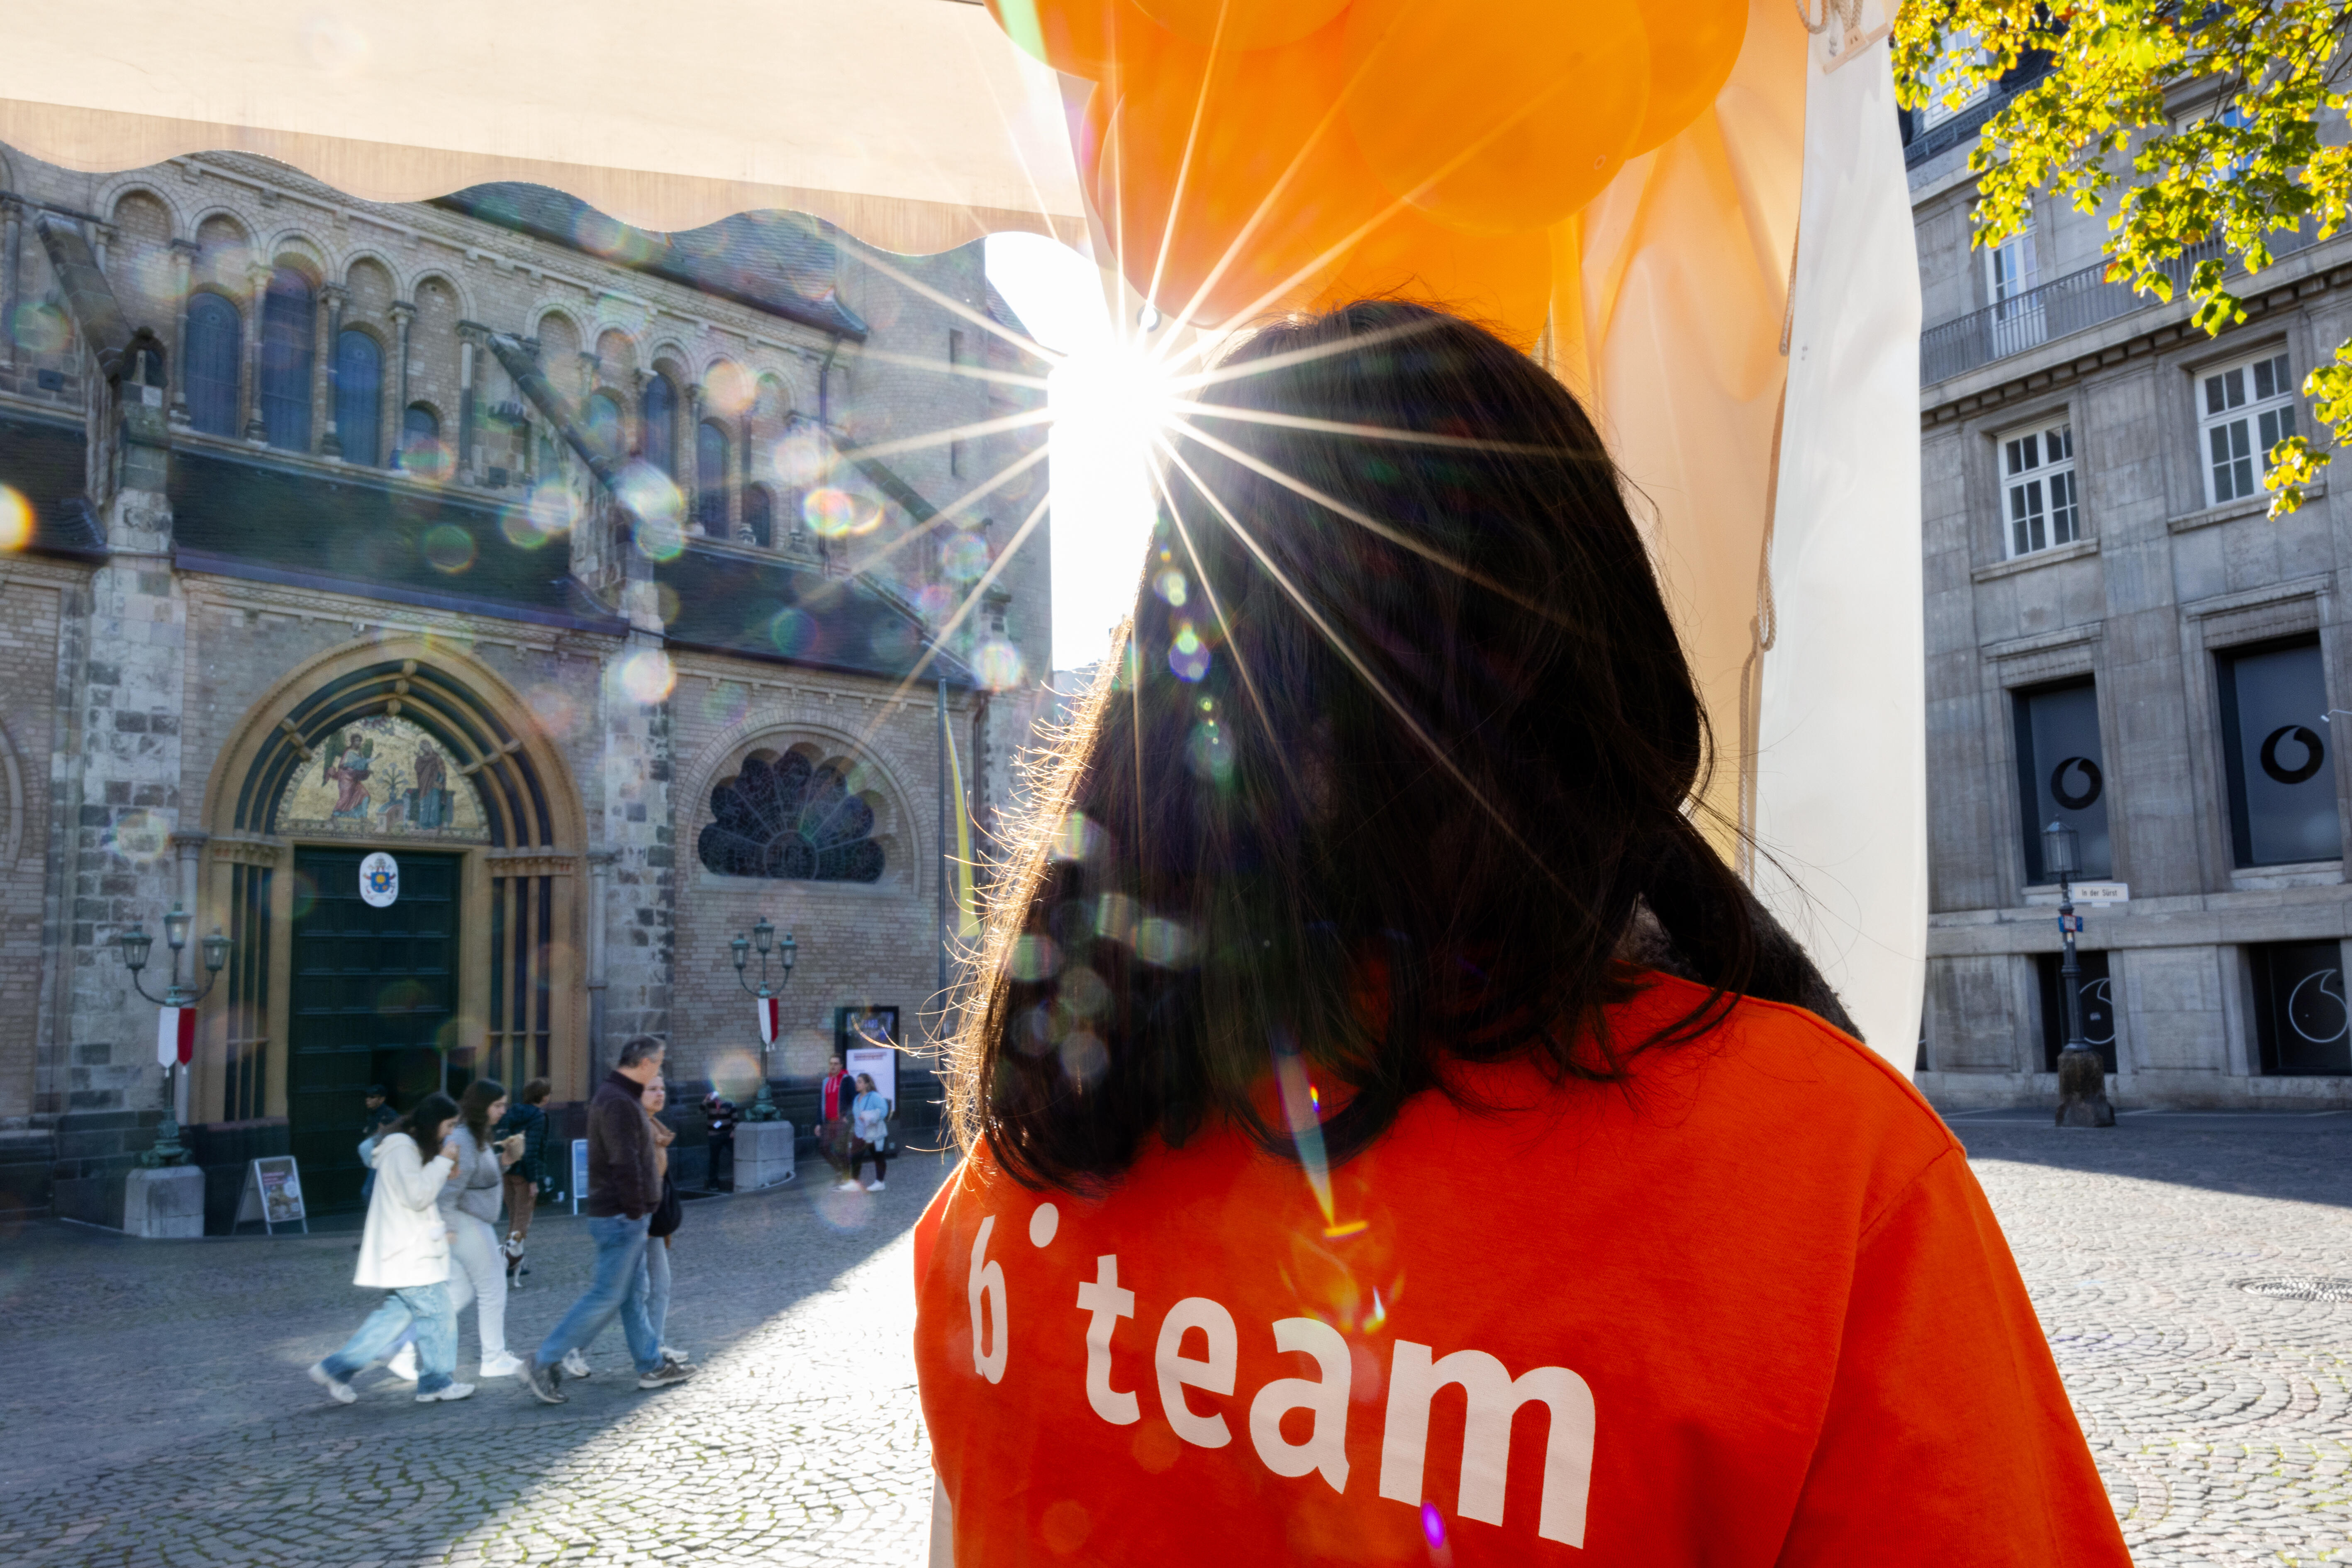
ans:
(2068, 304)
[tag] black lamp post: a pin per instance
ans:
(763, 938)
(136, 945)
(2082, 1075)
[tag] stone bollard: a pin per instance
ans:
(164, 1204)
(2082, 1091)
(763, 1154)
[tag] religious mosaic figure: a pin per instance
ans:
(350, 758)
(429, 801)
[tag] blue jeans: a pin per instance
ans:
(424, 1307)
(620, 1257)
(653, 1286)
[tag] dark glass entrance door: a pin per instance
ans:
(373, 989)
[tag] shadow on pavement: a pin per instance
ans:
(2301, 1158)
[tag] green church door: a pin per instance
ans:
(373, 990)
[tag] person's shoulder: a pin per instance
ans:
(1788, 1074)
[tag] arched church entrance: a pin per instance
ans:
(458, 960)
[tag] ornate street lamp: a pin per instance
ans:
(136, 945)
(2082, 1075)
(763, 939)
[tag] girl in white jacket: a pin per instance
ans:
(405, 1250)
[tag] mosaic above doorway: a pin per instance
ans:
(381, 777)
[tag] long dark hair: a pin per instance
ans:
(1399, 742)
(475, 1104)
(424, 1120)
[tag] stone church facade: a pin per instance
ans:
(621, 586)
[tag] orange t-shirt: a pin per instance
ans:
(1750, 1308)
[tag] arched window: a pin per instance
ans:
(710, 479)
(660, 416)
(290, 326)
(759, 517)
(792, 820)
(214, 335)
(602, 416)
(359, 397)
(420, 442)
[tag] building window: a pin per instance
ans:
(289, 326)
(2282, 790)
(2242, 412)
(791, 820)
(759, 517)
(359, 397)
(2061, 774)
(659, 443)
(602, 418)
(2301, 1023)
(710, 479)
(2098, 1006)
(1962, 50)
(2045, 508)
(421, 452)
(214, 334)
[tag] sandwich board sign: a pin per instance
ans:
(273, 1195)
(579, 1172)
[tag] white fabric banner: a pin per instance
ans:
(1840, 783)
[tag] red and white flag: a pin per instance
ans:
(770, 1018)
(175, 1036)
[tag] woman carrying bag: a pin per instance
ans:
(869, 1116)
(654, 1275)
(405, 1250)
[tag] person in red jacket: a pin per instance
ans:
(1397, 1137)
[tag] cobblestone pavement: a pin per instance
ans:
(157, 1413)
(2222, 1419)
(162, 1416)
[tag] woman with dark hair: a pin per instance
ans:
(1371, 1042)
(469, 1206)
(405, 1250)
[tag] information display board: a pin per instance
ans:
(273, 1195)
(579, 1172)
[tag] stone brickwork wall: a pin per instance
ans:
(32, 599)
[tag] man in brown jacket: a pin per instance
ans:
(622, 1191)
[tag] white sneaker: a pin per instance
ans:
(680, 1356)
(343, 1392)
(845, 1184)
(874, 1186)
(447, 1392)
(575, 1365)
(403, 1363)
(502, 1364)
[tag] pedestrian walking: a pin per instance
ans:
(469, 1206)
(621, 1194)
(378, 1115)
(528, 1173)
(668, 1215)
(833, 1096)
(404, 1250)
(870, 1129)
(1453, 1070)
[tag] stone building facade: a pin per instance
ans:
(2121, 640)
(626, 588)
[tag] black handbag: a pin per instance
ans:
(670, 1213)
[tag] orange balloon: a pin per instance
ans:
(1498, 116)
(1229, 182)
(1502, 281)
(1693, 44)
(1246, 24)
(1085, 37)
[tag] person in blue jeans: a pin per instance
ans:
(624, 1187)
(405, 1250)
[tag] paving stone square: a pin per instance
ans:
(159, 1416)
